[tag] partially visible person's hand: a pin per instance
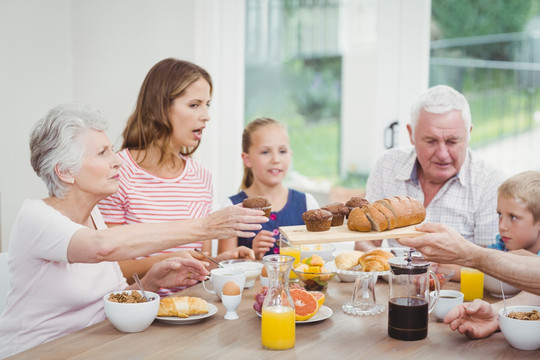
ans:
(262, 243)
(173, 272)
(233, 221)
(241, 252)
(477, 319)
(441, 244)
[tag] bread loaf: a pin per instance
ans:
(376, 218)
(358, 220)
(387, 214)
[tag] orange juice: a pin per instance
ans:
(472, 284)
(295, 253)
(278, 327)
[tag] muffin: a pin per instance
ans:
(354, 202)
(317, 220)
(259, 203)
(339, 211)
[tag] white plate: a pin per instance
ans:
(324, 313)
(212, 309)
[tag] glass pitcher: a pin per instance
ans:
(278, 323)
(409, 301)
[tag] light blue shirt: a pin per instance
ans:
(499, 244)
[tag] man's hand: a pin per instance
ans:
(477, 319)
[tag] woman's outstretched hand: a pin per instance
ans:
(234, 221)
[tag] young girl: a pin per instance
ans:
(159, 181)
(266, 154)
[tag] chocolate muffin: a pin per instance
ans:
(339, 211)
(356, 202)
(317, 220)
(259, 203)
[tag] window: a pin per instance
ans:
(293, 74)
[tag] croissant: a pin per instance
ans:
(348, 259)
(182, 306)
(375, 260)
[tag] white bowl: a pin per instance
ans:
(251, 267)
(521, 334)
(326, 251)
(493, 287)
(346, 275)
(264, 280)
(131, 317)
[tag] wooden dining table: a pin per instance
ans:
(341, 336)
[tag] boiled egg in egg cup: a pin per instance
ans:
(231, 298)
(264, 276)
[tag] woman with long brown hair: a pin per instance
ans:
(159, 181)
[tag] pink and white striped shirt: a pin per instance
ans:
(143, 197)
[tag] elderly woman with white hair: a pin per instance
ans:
(62, 257)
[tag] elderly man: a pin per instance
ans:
(455, 186)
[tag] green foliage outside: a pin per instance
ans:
(463, 18)
(502, 102)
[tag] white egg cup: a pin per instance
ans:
(231, 303)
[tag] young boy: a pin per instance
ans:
(518, 206)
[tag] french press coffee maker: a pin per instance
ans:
(409, 301)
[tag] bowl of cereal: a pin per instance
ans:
(128, 311)
(326, 251)
(521, 326)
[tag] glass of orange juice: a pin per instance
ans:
(472, 284)
(285, 248)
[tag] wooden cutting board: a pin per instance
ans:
(298, 235)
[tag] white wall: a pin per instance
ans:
(98, 52)
(385, 67)
(35, 73)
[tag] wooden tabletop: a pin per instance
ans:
(339, 337)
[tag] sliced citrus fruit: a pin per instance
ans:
(302, 267)
(316, 260)
(319, 296)
(325, 277)
(305, 304)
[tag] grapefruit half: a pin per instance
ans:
(305, 304)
